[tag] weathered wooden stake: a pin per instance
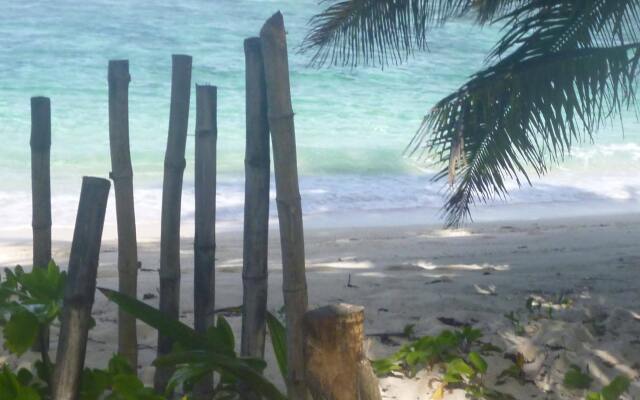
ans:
(336, 366)
(274, 53)
(80, 288)
(204, 246)
(41, 191)
(256, 205)
(174, 164)
(256, 208)
(122, 175)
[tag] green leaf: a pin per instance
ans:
(119, 365)
(94, 384)
(459, 367)
(616, 388)
(127, 384)
(278, 335)
(225, 333)
(198, 362)
(20, 332)
(593, 396)
(384, 366)
(574, 378)
(478, 362)
(12, 389)
(174, 329)
(217, 357)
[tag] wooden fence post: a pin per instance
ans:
(80, 288)
(122, 176)
(274, 53)
(41, 191)
(204, 247)
(336, 366)
(256, 208)
(174, 164)
(256, 205)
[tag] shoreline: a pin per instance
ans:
(418, 275)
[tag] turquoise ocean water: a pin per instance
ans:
(352, 124)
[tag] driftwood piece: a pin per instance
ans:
(256, 205)
(41, 191)
(174, 164)
(80, 288)
(274, 53)
(122, 176)
(204, 245)
(335, 364)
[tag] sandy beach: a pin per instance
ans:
(431, 278)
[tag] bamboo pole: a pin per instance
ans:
(174, 164)
(256, 205)
(205, 214)
(80, 288)
(336, 365)
(41, 192)
(274, 52)
(122, 176)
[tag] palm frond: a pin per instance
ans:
(523, 115)
(370, 32)
(562, 68)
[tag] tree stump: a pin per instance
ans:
(336, 367)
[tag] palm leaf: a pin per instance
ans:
(278, 335)
(527, 110)
(201, 354)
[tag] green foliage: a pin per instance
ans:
(515, 371)
(198, 354)
(514, 318)
(428, 351)
(17, 386)
(32, 301)
(29, 301)
(574, 378)
(612, 391)
(118, 382)
(278, 341)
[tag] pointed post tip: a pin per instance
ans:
(274, 23)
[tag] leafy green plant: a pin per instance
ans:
(453, 351)
(118, 382)
(278, 341)
(574, 378)
(514, 318)
(29, 301)
(197, 355)
(515, 371)
(18, 386)
(612, 391)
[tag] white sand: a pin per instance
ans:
(413, 275)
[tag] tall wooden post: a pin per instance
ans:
(335, 364)
(256, 205)
(41, 191)
(80, 288)
(274, 53)
(256, 208)
(204, 246)
(122, 175)
(174, 164)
